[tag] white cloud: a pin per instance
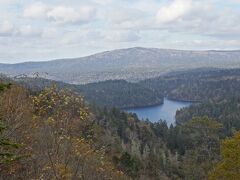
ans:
(36, 10)
(123, 36)
(103, 2)
(129, 18)
(123, 14)
(6, 2)
(50, 32)
(60, 13)
(6, 28)
(173, 11)
(28, 30)
(63, 14)
(107, 24)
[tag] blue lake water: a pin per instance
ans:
(166, 111)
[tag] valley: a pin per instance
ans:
(132, 145)
(119, 90)
(143, 129)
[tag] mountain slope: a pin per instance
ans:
(130, 64)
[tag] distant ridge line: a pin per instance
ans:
(118, 50)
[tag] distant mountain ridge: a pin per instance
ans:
(131, 64)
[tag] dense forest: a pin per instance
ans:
(198, 85)
(193, 85)
(120, 93)
(117, 93)
(52, 133)
(226, 111)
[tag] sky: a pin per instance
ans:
(51, 29)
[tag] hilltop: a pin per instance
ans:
(132, 64)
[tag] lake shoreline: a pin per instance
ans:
(166, 111)
(158, 104)
(183, 100)
(143, 106)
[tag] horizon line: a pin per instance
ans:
(119, 49)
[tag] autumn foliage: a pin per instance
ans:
(51, 131)
(229, 167)
(54, 134)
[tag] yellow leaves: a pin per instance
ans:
(46, 168)
(229, 167)
(34, 117)
(62, 171)
(81, 147)
(52, 102)
(83, 114)
(96, 158)
(52, 129)
(60, 120)
(50, 121)
(36, 100)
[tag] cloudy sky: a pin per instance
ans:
(50, 29)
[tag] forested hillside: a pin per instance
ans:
(226, 111)
(117, 93)
(132, 64)
(119, 90)
(198, 84)
(194, 85)
(120, 93)
(53, 134)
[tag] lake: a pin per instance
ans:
(166, 111)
